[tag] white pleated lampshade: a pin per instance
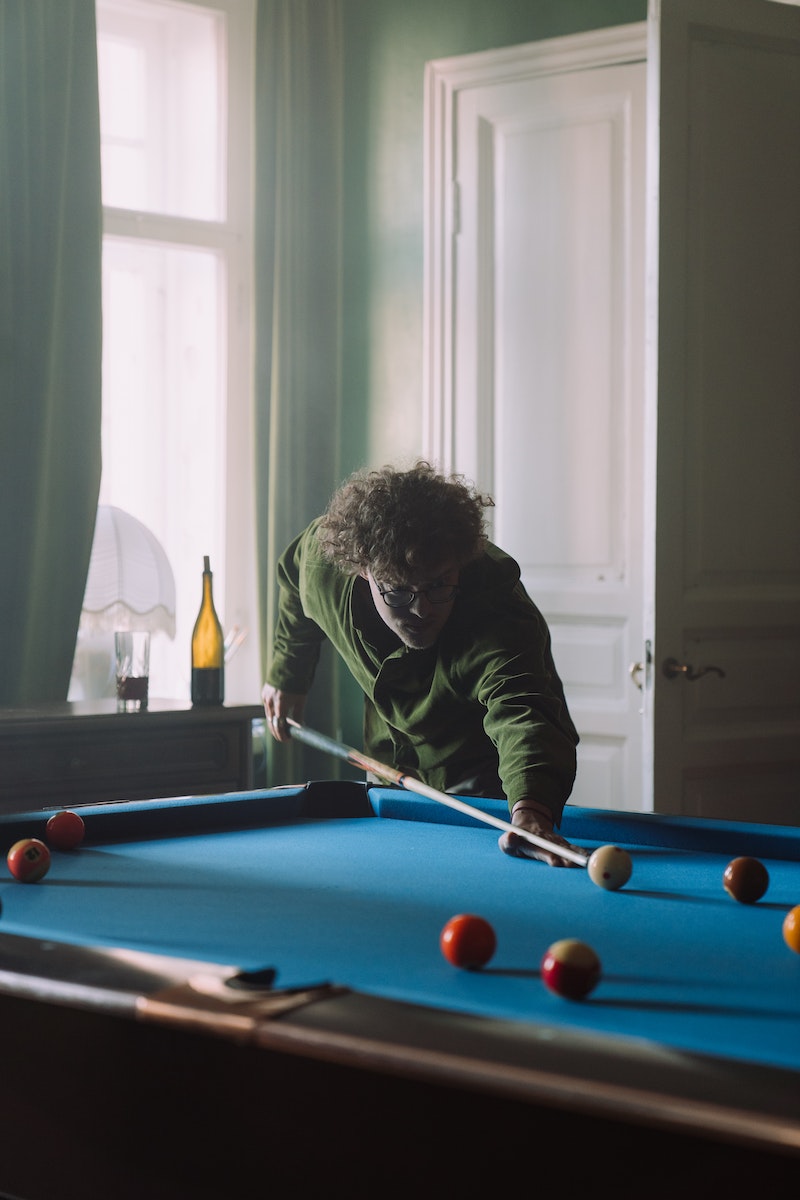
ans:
(130, 584)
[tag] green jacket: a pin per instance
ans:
(484, 702)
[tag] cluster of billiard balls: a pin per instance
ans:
(29, 858)
(571, 968)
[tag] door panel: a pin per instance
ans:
(723, 407)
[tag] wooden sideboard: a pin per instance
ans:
(86, 752)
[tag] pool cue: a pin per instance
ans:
(320, 742)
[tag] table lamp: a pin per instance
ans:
(130, 585)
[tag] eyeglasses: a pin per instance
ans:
(440, 593)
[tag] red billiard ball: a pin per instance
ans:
(468, 941)
(609, 867)
(746, 879)
(570, 968)
(65, 830)
(28, 860)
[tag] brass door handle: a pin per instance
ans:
(635, 672)
(672, 669)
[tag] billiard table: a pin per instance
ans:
(217, 989)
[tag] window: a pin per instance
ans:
(175, 115)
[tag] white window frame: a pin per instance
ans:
(235, 586)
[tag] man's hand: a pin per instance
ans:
(278, 706)
(530, 815)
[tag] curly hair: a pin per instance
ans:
(402, 524)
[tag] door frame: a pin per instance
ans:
(458, 429)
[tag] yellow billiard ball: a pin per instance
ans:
(791, 929)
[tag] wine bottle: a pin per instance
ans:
(208, 648)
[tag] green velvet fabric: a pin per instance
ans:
(50, 337)
(298, 303)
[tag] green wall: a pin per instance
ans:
(386, 46)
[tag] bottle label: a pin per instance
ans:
(208, 685)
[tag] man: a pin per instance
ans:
(434, 624)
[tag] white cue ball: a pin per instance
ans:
(609, 867)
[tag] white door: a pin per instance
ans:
(536, 310)
(724, 393)
(677, 546)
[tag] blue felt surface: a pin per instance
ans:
(361, 902)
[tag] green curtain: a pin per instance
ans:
(50, 337)
(298, 309)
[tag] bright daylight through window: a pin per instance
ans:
(175, 111)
